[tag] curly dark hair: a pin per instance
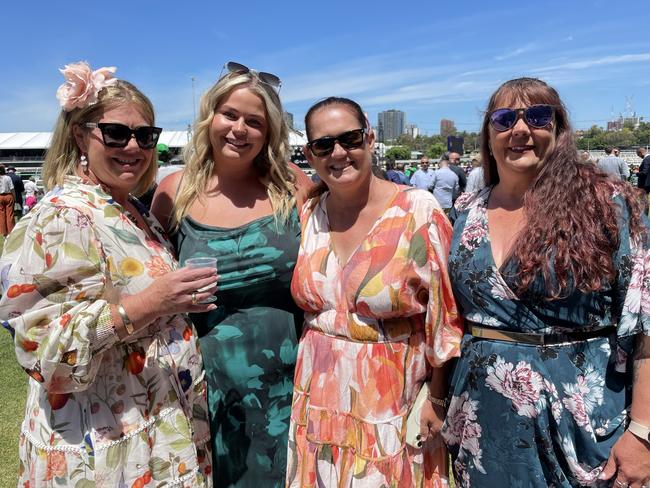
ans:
(571, 230)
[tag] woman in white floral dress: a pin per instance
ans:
(91, 295)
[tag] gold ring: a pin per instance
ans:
(622, 484)
(194, 301)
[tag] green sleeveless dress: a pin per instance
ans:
(249, 345)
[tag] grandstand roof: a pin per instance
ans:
(172, 138)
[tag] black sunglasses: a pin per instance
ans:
(268, 78)
(537, 116)
(119, 135)
(324, 146)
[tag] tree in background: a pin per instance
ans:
(398, 152)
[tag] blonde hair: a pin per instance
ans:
(270, 163)
(63, 154)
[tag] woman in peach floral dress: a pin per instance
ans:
(380, 319)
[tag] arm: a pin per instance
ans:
(53, 299)
(162, 204)
(629, 460)
(57, 302)
(303, 185)
(443, 324)
(625, 170)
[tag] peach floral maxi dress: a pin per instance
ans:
(374, 328)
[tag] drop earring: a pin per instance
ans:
(83, 161)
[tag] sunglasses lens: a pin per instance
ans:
(352, 139)
(269, 79)
(147, 137)
(503, 119)
(539, 116)
(236, 67)
(323, 146)
(115, 135)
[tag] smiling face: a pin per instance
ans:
(239, 127)
(343, 167)
(522, 148)
(118, 169)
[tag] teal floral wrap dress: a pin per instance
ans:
(539, 416)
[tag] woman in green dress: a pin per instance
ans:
(237, 200)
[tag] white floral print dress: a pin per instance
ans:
(100, 412)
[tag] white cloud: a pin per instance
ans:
(594, 63)
(515, 52)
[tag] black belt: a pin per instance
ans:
(530, 338)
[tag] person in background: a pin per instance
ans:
(475, 179)
(613, 165)
(454, 165)
(95, 304)
(445, 185)
(380, 320)
(237, 200)
(19, 189)
(644, 169)
(423, 177)
(553, 384)
(7, 202)
(31, 193)
(391, 172)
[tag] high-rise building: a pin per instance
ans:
(288, 118)
(447, 127)
(391, 124)
(412, 130)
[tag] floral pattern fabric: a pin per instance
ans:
(249, 345)
(553, 412)
(100, 412)
(374, 328)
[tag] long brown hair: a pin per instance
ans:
(571, 231)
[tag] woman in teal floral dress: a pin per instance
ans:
(236, 200)
(549, 266)
(91, 294)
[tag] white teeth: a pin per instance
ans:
(127, 161)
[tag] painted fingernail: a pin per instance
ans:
(419, 444)
(418, 437)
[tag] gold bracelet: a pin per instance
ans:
(128, 325)
(441, 402)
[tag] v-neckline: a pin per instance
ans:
(343, 265)
(499, 268)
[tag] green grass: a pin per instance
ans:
(13, 382)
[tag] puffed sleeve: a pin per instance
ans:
(632, 288)
(53, 301)
(443, 324)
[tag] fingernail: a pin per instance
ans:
(419, 444)
(418, 437)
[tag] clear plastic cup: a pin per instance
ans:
(203, 262)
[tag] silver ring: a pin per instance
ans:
(194, 300)
(622, 484)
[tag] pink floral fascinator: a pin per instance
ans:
(82, 85)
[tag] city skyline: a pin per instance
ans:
(431, 61)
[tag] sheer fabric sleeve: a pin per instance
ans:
(53, 300)
(443, 324)
(631, 293)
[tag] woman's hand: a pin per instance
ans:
(629, 463)
(431, 420)
(174, 292)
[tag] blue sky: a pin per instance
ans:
(431, 59)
